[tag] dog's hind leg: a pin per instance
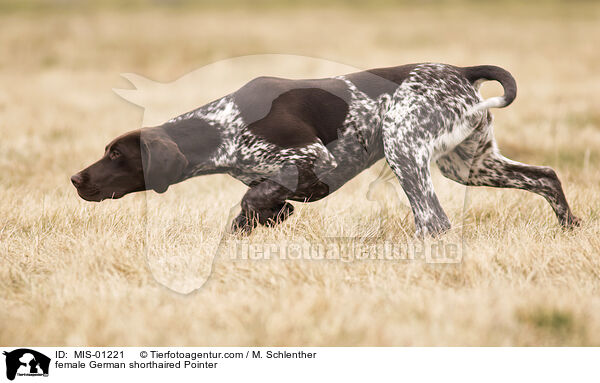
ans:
(477, 162)
(410, 160)
(415, 179)
(263, 204)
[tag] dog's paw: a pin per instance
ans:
(570, 221)
(242, 225)
(433, 227)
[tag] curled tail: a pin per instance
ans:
(492, 73)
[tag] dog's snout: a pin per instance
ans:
(77, 180)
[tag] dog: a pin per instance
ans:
(301, 140)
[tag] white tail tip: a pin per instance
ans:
(494, 102)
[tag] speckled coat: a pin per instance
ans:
(303, 139)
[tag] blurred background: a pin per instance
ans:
(74, 273)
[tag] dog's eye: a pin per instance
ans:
(114, 154)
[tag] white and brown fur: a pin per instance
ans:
(303, 139)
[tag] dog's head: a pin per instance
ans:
(136, 161)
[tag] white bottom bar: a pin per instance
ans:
(227, 364)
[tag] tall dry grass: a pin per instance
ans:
(75, 273)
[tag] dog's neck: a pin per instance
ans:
(213, 150)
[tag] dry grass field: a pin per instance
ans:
(76, 273)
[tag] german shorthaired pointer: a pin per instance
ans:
(301, 140)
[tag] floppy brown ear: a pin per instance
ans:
(162, 161)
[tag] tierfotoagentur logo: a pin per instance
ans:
(348, 250)
(26, 362)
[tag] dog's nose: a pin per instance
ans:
(77, 180)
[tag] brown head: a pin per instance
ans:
(136, 161)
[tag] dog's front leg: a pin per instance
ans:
(263, 204)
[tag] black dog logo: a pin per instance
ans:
(25, 361)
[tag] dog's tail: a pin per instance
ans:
(478, 74)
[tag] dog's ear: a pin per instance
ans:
(162, 161)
